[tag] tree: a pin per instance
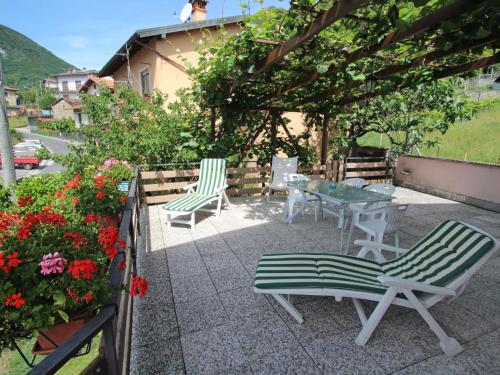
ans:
(405, 116)
(46, 99)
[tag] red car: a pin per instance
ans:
(25, 161)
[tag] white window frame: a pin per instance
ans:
(141, 72)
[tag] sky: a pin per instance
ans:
(87, 33)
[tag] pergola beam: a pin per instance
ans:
(340, 10)
(399, 68)
(431, 20)
(448, 72)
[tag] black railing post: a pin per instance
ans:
(109, 349)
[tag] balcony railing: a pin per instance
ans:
(114, 319)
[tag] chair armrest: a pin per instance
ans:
(222, 188)
(415, 285)
(380, 246)
(191, 186)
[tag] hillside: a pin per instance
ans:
(24, 61)
(474, 140)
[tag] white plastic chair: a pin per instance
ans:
(379, 222)
(297, 196)
(281, 168)
(386, 189)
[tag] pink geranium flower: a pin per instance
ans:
(52, 263)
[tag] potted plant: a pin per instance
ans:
(54, 268)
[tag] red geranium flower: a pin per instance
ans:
(2, 264)
(60, 194)
(24, 201)
(74, 201)
(91, 217)
(23, 232)
(14, 300)
(73, 295)
(72, 184)
(88, 297)
(78, 240)
(13, 260)
(139, 286)
(82, 269)
(123, 199)
(100, 195)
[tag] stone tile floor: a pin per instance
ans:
(201, 315)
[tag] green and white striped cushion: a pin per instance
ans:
(444, 254)
(318, 270)
(212, 176)
(188, 203)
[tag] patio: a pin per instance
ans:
(202, 316)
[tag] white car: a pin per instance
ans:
(29, 144)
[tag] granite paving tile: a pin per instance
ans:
(231, 278)
(153, 322)
(161, 357)
(192, 287)
(213, 351)
(220, 261)
(286, 362)
(340, 355)
(200, 314)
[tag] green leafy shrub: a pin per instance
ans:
(5, 202)
(41, 188)
(64, 125)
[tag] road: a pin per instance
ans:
(59, 146)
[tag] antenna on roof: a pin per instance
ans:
(186, 12)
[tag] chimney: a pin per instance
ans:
(199, 12)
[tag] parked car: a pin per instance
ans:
(24, 161)
(29, 144)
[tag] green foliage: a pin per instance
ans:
(47, 99)
(43, 153)
(405, 116)
(15, 137)
(25, 62)
(18, 122)
(42, 188)
(5, 202)
(64, 125)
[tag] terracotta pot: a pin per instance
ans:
(60, 333)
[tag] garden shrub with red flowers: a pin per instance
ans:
(54, 260)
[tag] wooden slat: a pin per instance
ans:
(164, 186)
(253, 180)
(248, 170)
(365, 173)
(161, 198)
(169, 174)
(317, 167)
(366, 165)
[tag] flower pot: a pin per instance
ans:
(60, 333)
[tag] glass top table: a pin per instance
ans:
(339, 194)
(327, 191)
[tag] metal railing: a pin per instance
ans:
(114, 319)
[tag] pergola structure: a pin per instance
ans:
(385, 52)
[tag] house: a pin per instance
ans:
(70, 108)
(50, 83)
(156, 55)
(69, 83)
(10, 97)
(94, 83)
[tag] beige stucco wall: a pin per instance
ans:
(62, 110)
(475, 180)
(167, 78)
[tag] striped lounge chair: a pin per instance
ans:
(211, 187)
(438, 266)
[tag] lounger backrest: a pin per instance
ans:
(443, 255)
(212, 176)
(281, 168)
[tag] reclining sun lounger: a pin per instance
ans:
(438, 266)
(211, 187)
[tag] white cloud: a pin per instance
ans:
(78, 42)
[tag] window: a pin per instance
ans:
(65, 85)
(145, 82)
(6, 93)
(78, 85)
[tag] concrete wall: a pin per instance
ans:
(10, 97)
(477, 184)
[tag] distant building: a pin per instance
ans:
(68, 84)
(156, 56)
(10, 96)
(70, 108)
(94, 84)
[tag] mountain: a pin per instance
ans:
(25, 62)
